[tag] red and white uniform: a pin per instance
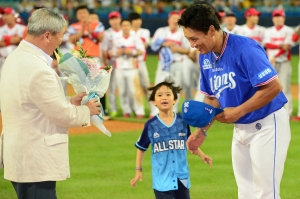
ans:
(179, 39)
(233, 31)
(132, 42)
(296, 38)
(176, 37)
(107, 45)
(127, 75)
(274, 38)
(144, 34)
(256, 33)
(5, 31)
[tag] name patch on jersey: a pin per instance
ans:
(181, 134)
(206, 64)
(172, 144)
(264, 73)
(217, 69)
(219, 83)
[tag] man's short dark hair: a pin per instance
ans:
(81, 7)
(168, 83)
(134, 16)
(199, 17)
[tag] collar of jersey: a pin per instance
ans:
(223, 49)
(175, 116)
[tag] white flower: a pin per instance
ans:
(76, 54)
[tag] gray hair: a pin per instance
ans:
(43, 20)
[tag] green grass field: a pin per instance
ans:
(101, 167)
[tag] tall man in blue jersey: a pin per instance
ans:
(237, 76)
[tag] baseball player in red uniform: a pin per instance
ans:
(278, 42)
(296, 38)
(251, 29)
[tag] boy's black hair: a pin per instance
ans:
(125, 20)
(134, 16)
(81, 7)
(199, 17)
(168, 83)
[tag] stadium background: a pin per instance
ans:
(101, 167)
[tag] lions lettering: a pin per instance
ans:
(172, 144)
(220, 82)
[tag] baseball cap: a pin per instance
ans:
(181, 11)
(198, 114)
(252, 12)
(114, 14)
(221, 13)
(174, 13)
(230, 14)
(9, 10)
(278, 12)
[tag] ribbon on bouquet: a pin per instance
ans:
(93, 95)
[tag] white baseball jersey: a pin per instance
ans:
(176, 37)
(256, 33)
(233, 31)
(17, 30)
(109, 36)
(132, 42)
(277, 38)
(144, 34)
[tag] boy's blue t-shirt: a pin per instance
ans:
(169, 153)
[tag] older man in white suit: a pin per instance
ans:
(35, 112)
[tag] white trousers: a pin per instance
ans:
(111, 91)
(144, 77)
(190, 71)
(259, 151)
(130, 91)
(284, 71)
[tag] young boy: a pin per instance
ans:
(167, 133)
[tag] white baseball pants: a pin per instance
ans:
(259, 151)
(130, 91)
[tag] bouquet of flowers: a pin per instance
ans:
(86, 75)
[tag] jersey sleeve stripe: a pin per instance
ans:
(268, 81)
(140, 147)
(204, 93)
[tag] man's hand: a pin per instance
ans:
(94, 106)
(76, 100)
(194, 142)
(229, 115)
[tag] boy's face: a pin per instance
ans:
(164, 98)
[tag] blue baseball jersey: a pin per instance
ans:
(236, 74)
(169, 153)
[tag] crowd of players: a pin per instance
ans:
(124, 45)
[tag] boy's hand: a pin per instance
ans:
(138, 176)
(206, 159)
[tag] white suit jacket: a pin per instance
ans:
(35, 117)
